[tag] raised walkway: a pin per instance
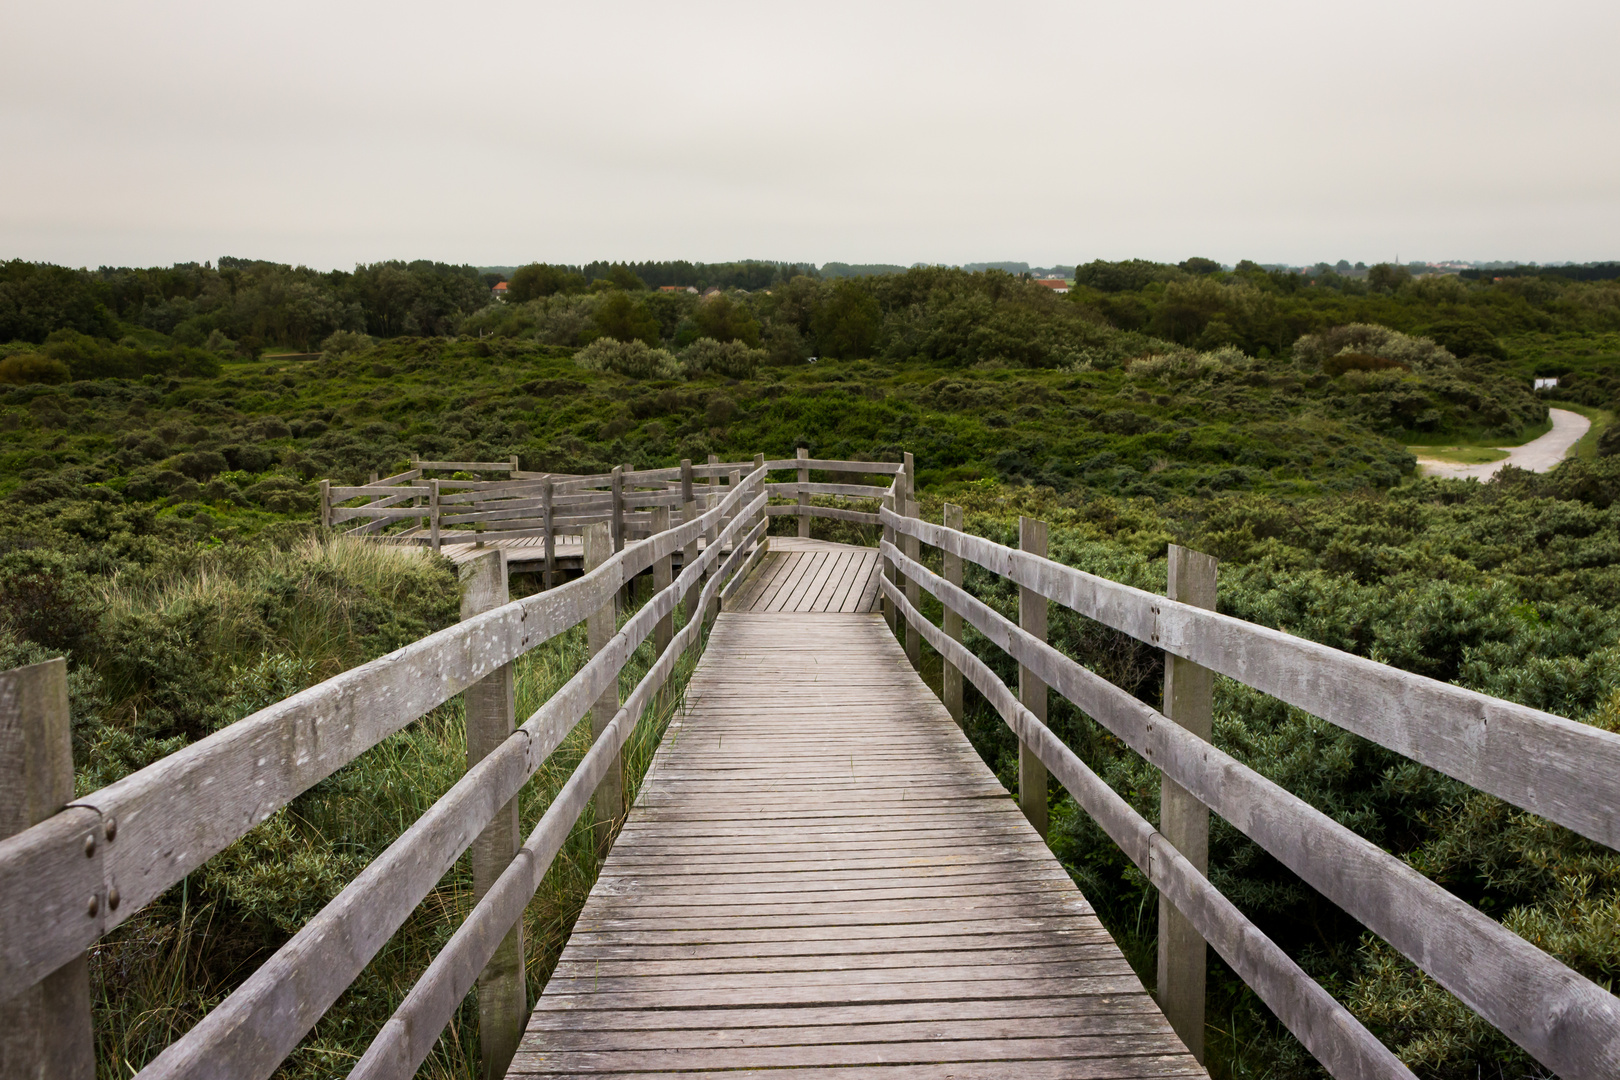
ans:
(821, 875)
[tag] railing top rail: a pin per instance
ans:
(1326, 1027)
(1573, 778)
(1491, 969)
(127, 842)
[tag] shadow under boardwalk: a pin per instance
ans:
(820, 875)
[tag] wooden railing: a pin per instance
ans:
(82, 871)
(1562, 770)
(414, 508)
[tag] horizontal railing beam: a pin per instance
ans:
(835, 513)
(1565, 1021)
(848, 491)
(1326, 1028)
(177, 813)
(410, 1034)
(259, 1023)
(1572, 777)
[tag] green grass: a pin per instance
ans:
(1587, 447)
(1460, 455)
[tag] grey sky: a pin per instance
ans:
(336, 132)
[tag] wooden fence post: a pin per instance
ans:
(689, 554)
(546, 496)
(513, 474)
(890, 614)
(433, 516)
(711, 535)
(913, 550)
(616, 530)
(952, 684)
(765, 537)
(1184, 821)
(326, 504)
(491, 711)
(45, 1030)
(600, 626)
(804, 496)
(662, 575)
(1031, 690)
(618, 508)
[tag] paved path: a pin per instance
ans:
(821, 880)
(1538, 455)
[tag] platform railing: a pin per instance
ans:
(71, 869)
(415, 508)
(1549, 765)
(82, 871)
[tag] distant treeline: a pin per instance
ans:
(1598, 271)
(794, 310)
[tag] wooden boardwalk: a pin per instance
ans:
(821, 875)
(811, 575)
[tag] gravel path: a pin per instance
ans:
(1538, 455)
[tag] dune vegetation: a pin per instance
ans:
(159, 456)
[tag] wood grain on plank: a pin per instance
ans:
(820, 873)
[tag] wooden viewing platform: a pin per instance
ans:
(821, 873)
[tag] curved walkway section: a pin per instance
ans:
(820, 878)
(1538, 455)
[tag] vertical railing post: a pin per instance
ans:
(913, 550)
(951, 686)
(617, 508)
(433, 516)
(662, 574)
(600, 626)
(326, 505)
(616, 527)
(1184, 821)
(513, 474)
(45, 1030)
(491, 711)
(890, 499)
(711, 535)
(1031, 690)
(804, 496)
(689, 553)
(763, 515)
(550, 579)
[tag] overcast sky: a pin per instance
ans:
(500, 133)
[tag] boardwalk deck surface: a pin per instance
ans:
(821, 876)
(811, 576)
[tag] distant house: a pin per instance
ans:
(1546, 384)
(499, 290)
(1056, 284)
(677, 288)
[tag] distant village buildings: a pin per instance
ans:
(1056, 284)
(677, 288)
(499, 290)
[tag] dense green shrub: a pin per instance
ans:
(632, 358)
(731, 359)
(30, 367)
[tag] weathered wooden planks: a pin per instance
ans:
(819, 873)
(804, 575)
